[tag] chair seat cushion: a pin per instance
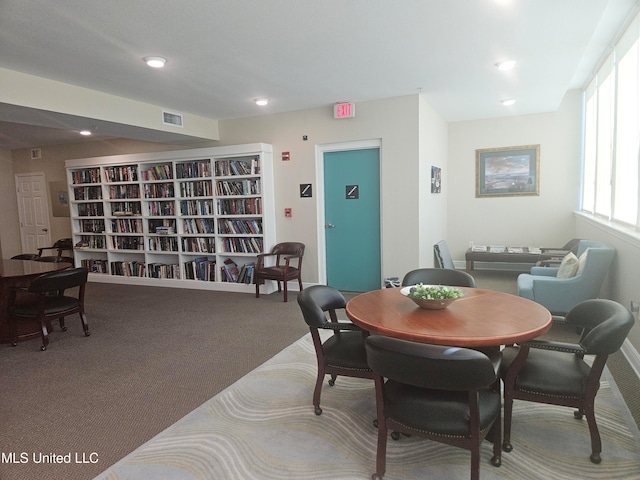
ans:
(278, 272)
(345, 350)
(569, 377)
(436, 411)
(53, 305)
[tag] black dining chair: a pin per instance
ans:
(343, 352)
(46, 299)
(446, 394)
(439, 276)
(556, 373)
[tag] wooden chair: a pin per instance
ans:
(341, 354)
(439, 276)
(555, 372)
(44, 300)
(288, 266)
(446, 394)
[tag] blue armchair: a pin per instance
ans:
(560, 295)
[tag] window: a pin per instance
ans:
(612, 134)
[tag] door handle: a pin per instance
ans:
(329, 225)
(45, 229)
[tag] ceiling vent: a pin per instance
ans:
(169, 118)
(36, 154)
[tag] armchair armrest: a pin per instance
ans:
(338, 326)
(544, 271)
(555, 346)
(260, 258)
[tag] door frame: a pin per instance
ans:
(320, 151)
(17, 176)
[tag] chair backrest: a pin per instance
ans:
(596, 265)
(289, 248)
(442, 256)
(429, 366)
(439, 276)
(59, 280)
(607, 324)
(314, 301)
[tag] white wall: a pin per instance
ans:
(544, 220)
(396, 122)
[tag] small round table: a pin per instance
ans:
(482, 318)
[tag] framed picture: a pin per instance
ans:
(59, 199)
(436, 179)
(508, 171)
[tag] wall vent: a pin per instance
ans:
(36, 153)
(169, 118)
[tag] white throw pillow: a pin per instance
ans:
(569, 266)
(582, 261)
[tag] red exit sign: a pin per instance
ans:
(344, 110)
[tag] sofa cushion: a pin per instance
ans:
(582, 261)
(569, 266)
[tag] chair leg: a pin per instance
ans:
(257, 289)
(285, 291)
(596, 444)
(300, 283)
(316, 393)
(63, 327)
(45, 335)
(381, 454)
(85, 325)
(506, 435)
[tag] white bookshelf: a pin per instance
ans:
(174, 218)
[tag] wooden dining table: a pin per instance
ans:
(19, 273)
(482, 318)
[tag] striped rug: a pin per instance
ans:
(263, 427)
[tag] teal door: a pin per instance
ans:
(352, 219)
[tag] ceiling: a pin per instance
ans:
(301, 54)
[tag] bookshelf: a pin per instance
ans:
(189, 218)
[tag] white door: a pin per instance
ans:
(33, 209)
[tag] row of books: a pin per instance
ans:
(87, 193)
(163, 244)
(242, 245)
(198, 244)
(92, 226)
(200, 268)
(88, 175)
(124, 191)
(196, 189)
(162, 208)
(244, 166)
(198, 168)
(125, 173)
(238, 187)
(128, 269)
(95, 265)
(230, 272)
(162, 270)
(127, 243)
(90, 210)
(126, 225)
(158, 172)
(196, 207)
(126, 208)
(233, 226)
(239, 206)
(198, 225)
(92, 241)
(158, 190)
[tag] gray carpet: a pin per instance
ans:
(263, 427)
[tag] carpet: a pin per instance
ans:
(263, 427)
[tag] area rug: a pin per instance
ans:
(263, 427)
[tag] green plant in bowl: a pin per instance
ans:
(432, 297)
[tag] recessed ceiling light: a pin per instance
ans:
(261, 101)
(507, 102)
(155, 62)
(506, 65)
(85, 132)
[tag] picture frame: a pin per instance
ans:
(436, 179)
(59, 199)
(508, 171)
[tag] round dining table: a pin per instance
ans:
(19, 273)
(481, 318)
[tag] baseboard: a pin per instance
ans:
(632, 356)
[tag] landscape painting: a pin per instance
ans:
(508, 171)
